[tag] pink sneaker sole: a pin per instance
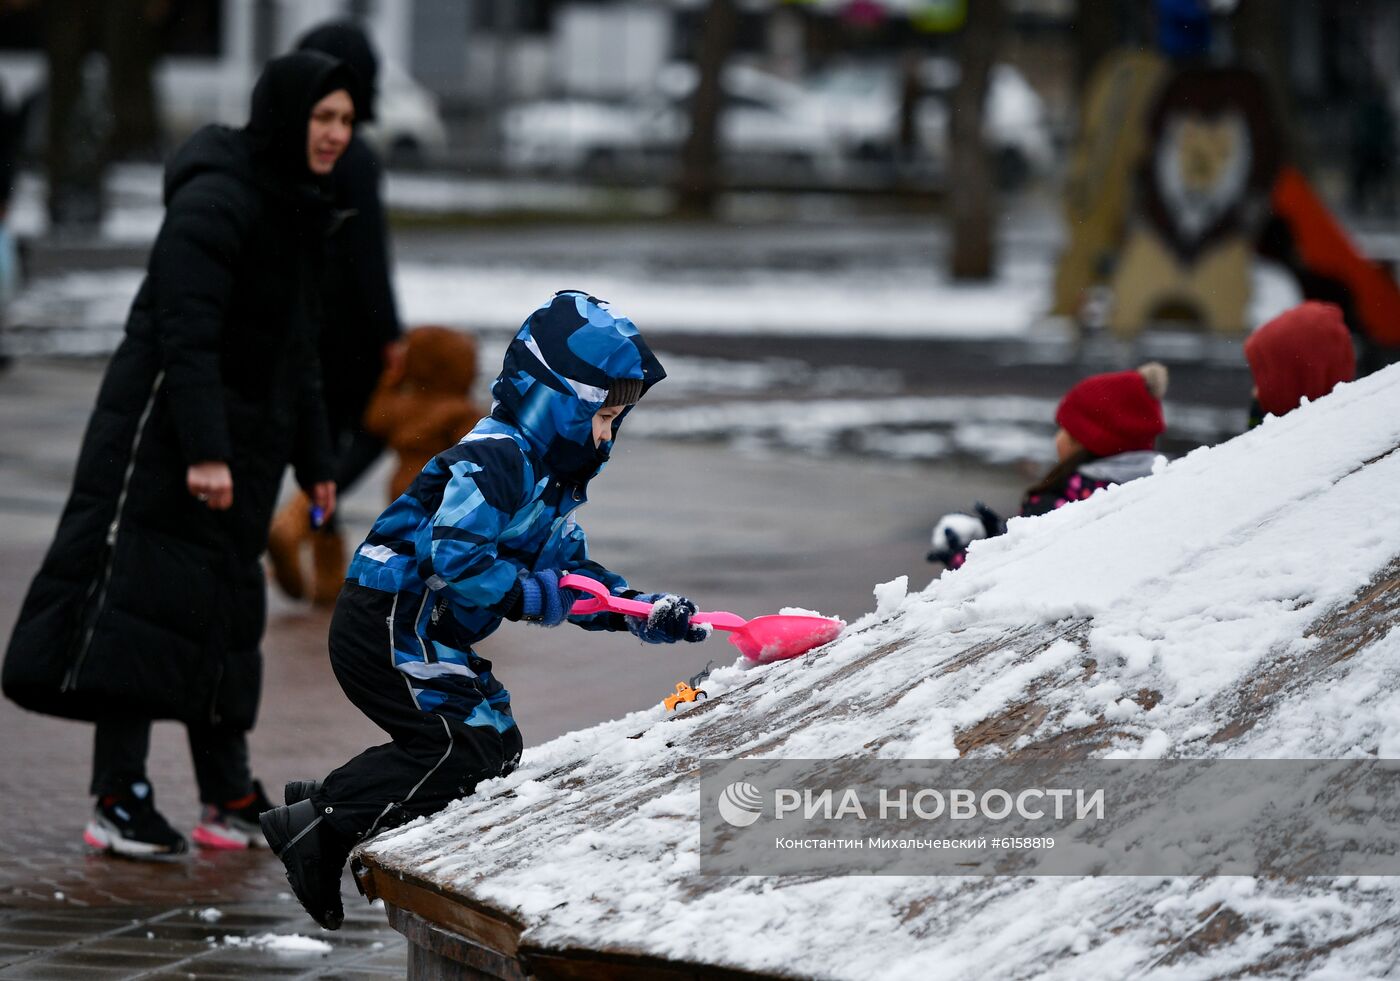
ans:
(226, 841)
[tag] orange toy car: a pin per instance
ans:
(684, 693)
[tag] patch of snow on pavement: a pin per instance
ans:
(279, 943)
(435, 194)
(993, 429)
(770, 301)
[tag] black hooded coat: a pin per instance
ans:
(361, 317)
(149, 604)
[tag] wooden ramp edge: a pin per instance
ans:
(456, 938)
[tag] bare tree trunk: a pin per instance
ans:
(1261, 36)
(698, 185)
(505, 25)
(75, 154)
(133, 48)
(910, 92)
(1097, 31)
(973, 190)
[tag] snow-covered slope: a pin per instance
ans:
(1239, 603)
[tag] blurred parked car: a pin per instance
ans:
(839, 122)
(861, 103)
(408, 129)
(575, 135)
(767, 121)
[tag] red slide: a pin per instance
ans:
(1325, 251)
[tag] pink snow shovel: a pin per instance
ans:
(762, 639)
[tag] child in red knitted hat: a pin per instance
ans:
(1109, 426)
(1302, 353)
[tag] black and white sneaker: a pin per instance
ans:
(129, 825)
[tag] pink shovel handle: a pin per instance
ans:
(601, 598)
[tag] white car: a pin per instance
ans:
(407, 129)
(861, 105)
(837, 121)
(575, 134)
(766, 121)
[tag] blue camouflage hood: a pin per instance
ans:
(556, 374)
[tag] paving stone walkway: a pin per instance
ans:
(268, 939)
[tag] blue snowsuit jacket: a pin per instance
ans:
(500, 503)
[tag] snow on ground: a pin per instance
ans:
(135, 209)
(689, 377)
(742, 399)
(438, 194)
(1215, 585)
(291, 943)
(494, 299)
(995, 430)
(133, 205)
(83, 312)
(901, 295)
(894, 303)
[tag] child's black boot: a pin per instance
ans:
(297, 790)
(314, 854)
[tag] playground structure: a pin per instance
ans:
(1178, 180)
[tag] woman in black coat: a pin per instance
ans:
(150, 602)
(361, 326)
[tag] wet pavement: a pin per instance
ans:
(161, 943)
(751, 532)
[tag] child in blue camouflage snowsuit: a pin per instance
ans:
(482, 535)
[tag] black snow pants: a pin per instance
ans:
(433, 760)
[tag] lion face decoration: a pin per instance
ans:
(1202, 168)
(1212, 158)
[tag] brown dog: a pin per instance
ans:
(425, 406)
(421, 406)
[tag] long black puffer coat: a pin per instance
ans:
(149, 604)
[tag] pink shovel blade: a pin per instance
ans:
(762, 639)
(781, 636)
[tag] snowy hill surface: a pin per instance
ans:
(1239, 603)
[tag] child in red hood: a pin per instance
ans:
(1303, 352)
